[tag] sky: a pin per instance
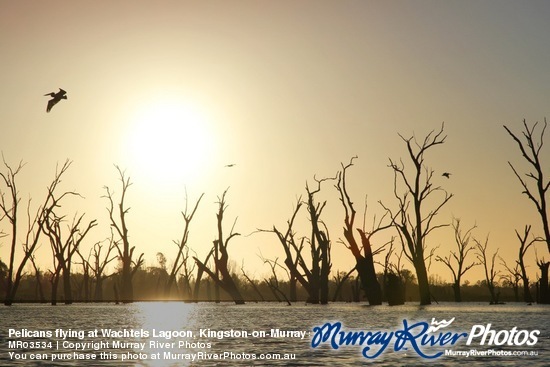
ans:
(173, 91)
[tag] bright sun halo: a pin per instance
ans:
(170, 142)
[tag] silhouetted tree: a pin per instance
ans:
(200, 272)
(313, 276)
(125, 252)
(221, 258)
(252, 283)
(85, 286)
(544, 289)
(524, 246)
(394, 282)
(63, 249)
(412, 222)
(100, 262)
(3, 276)
(489, 267)
(456, 260)
(511, 278)
(293, 254)
(38, 277)
(364, 262)
(182, 255)
(320, 248)
(531, 150)
(340, 279)
(273, 281)
(35, 223)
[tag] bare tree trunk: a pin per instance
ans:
(364, 262)
(456, 261)
(544, 289)
(182, 256)
(413, 224)
(531, 151)
(38, 278)
(524, 246)
(35, 224)
(126, 253)
(221, 274)
(490, 272)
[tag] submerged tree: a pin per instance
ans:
(395, 277)
(320, 247)
(221, 274)
(101, 257)
(456, 260)
(530, 148)
(64, 246)
(364, 256)
(293, 254)
(524, 246)
(489, 267)
(313, 276)
(413, 222)
(125, 252)
(35, 223)
(182, 256)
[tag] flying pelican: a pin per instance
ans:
(446, 174)
(230, 165)
(56, 97)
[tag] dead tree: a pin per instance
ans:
(293, 255)
(364, 256)
(63, 249)
(412, 222)
(221, 275)
(339, 280)
(320, 247)
(183, 250)
(35, 223)
(531, 151)
(273, 281)
(511, 278)
(252, 283)
(125, 251)
(10, 212)
(394, 283)
(186, 274)
(85, 286)
(38, 278)
(456, 260)
(100, 261)
(544, 288)
(490, 272)
(313, 276)
(200, 272)
(524, 246)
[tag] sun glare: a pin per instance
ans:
(170, 143)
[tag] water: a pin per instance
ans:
(162, 317)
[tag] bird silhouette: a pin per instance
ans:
(446, 174)
(230, 165)
(56, 97)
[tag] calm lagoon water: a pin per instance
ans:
(201, 324)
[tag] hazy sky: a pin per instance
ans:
(172, 91)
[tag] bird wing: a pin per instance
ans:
(51, 103)
(61, 92)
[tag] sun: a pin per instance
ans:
(170, 142)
